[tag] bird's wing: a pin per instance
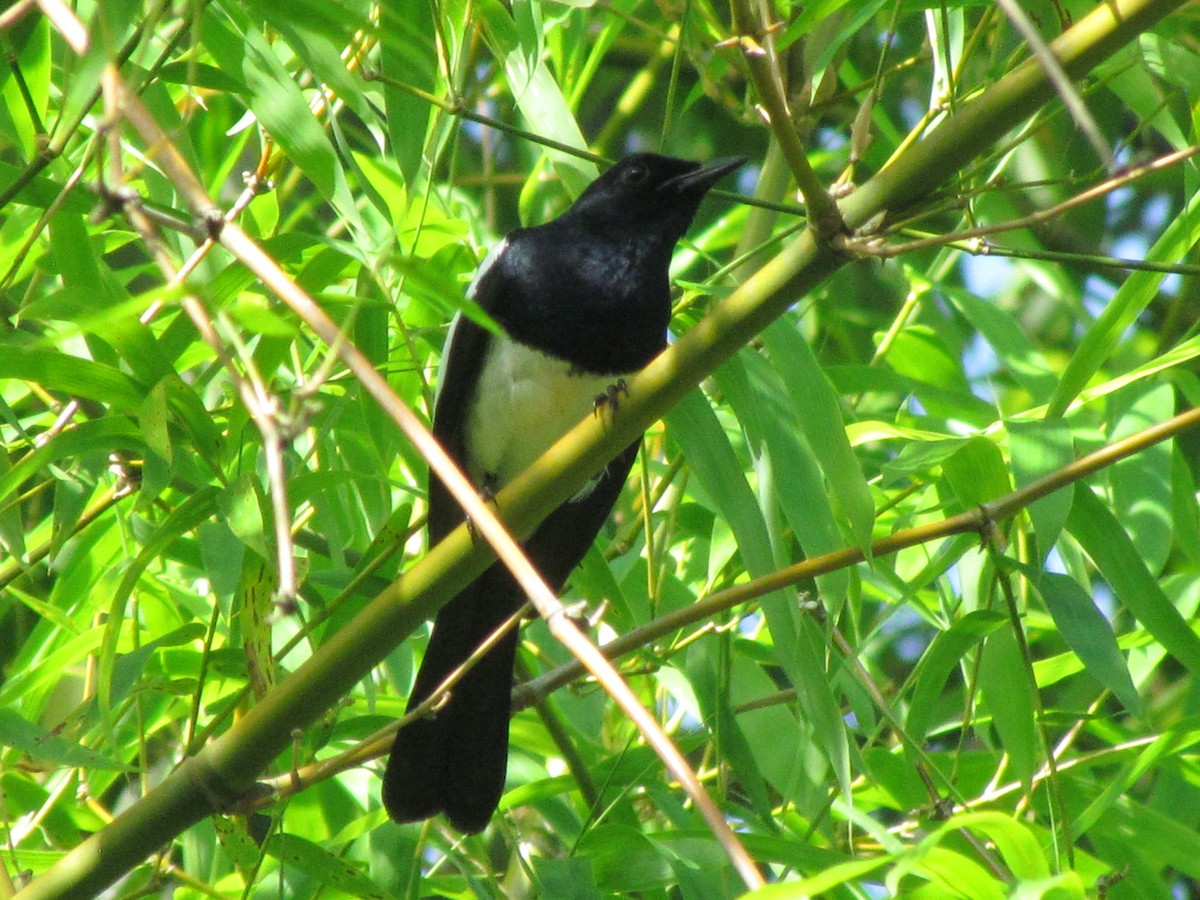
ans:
(462, 359)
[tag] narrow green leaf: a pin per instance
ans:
(1185, 517)
(1005, 688)
(708, 673)
(186, 516)
(1138, 289)
(408, 55)
(1115, 555)
(694, 425)
(847, 873)
(945, 653)
(67, 652)
(318, 31)
(106, 435)
(824, 427)
(1088, 633)
(221, 554)
(130, 667)
(1182, 737)
(920, 454)
(40, 192)
(800, 646)
(1038, 448)
(1019, 846)
(538, 95)
(241, 505)
(977, 473)
(799, 487)
(45, 746)
(624, 860)
(12, 525)
(569, 878)
(778, 742)
(952, 874)
(1141, 484)
(323, 867)
(921, 353)
(152, 418)
(277, 103)
(1005, 336)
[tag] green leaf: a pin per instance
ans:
(323, 867)
(796, 481)
(945, 653)
(1103, 539)
(277, 103)
(186, 516)
(951, 874)
(798, 643)
(408, 56)
(1018, 846)
(1089, 634)
(241, 507)
(317, 32)
(1182, 737)
(921, 354)
(1038, 448)
(72, 376)
(47, 747)
(570, 878)
(824, 428)
(1002, 332)
(624, 860)
(711, 458)
(1139, 288)
(1141, 484)
(1006, 690)
(977, 472)
(537, 94)
(847, 873)
(106, 434)
(708, 671)
(41, 192)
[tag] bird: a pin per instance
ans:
(583, 301)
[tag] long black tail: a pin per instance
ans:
(455, 761)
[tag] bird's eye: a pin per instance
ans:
(635, 174)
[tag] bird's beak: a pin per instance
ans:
(704, 177)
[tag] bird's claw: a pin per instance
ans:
(487, 493)
(611, 397)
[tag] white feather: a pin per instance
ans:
(529, 400)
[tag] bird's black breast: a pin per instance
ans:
(600, 302)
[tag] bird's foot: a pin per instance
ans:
(611, 398)
(487, 493)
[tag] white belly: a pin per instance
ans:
(531, 400)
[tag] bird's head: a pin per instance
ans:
(651, 194)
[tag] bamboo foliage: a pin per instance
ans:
(907, 572)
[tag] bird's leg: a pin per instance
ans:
(487, 493)
(584, 616)
(611, 397)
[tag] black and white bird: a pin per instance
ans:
(582, 301)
